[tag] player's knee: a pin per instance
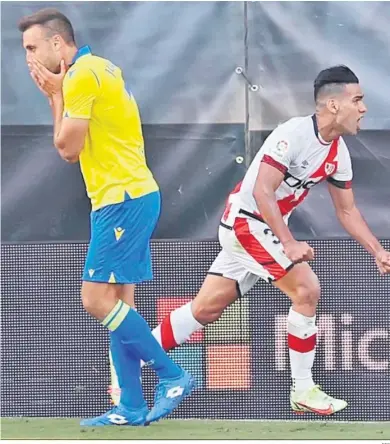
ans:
(308, 293)
(98, 299)
(88, 301)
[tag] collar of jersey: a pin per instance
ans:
(83, 51)
(317, 133)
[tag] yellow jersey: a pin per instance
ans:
(112, 160)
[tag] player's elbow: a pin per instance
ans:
(73, 159)
(69, 154)
(69, 157)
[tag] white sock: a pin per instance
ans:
(302, 335)
(176, 328)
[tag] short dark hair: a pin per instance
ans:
(51, 19)
(335, 77)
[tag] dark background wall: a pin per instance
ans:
(202, 124)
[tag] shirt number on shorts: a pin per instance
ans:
(275, 240)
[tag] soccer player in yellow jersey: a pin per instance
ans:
(96, 122)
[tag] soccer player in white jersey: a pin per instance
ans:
(257, 243)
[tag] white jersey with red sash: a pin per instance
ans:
(249, 248)
(295, 148)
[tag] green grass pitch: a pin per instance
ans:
(69, 428)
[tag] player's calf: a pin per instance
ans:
(216, 293)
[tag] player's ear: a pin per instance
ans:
(333, 105)
(57, 42)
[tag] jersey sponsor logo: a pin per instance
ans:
(118, 232)
(301, 187)
(293, 182)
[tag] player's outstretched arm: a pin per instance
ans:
(353, 222)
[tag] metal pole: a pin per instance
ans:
(248, 154)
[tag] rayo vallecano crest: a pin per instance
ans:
(329, 168)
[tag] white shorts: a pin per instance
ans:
(250, 251)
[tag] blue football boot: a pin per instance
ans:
(119, 416)
(169, 394)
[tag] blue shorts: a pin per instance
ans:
(119, 250)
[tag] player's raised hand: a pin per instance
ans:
(48, 82)
(382, 260)
(39, 84)
(298, 251)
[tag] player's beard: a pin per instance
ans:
(349, 126)
(53, 65)
(56, 70)
(355, 125)
(359, 123)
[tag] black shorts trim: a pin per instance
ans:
(270, 280)
(253, 216)
(225, 226)
(343, 184)
(289, 267)
(238, 290)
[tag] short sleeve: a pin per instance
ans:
(278, 150)
(80, 89)
(342, 178)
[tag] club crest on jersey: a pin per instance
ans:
(329, 168)
(280, 148)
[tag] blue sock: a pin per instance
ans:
(128, 370)
(130, 327)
